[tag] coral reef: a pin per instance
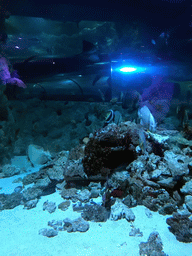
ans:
(110, 147)
(110, 167)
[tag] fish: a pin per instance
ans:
(146, 119)
(113, 117)
(110, 115)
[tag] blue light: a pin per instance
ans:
(127, 69)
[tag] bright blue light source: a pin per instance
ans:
(127, 69)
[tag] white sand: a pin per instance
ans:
(19, 232)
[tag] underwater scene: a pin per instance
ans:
(96, 128)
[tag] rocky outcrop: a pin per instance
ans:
(110, 147)
(181, 226)
(153, 246)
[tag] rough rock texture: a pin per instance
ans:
(84, 195)
(187, 188)
(110, 147)
(45, 180)
(181, 227)
(120, 210)
(64, 205)
(37, 155)
(78, 207)
(94, 212)
(76, 225)
(10, 201)
(153, 247)
(74, 168)
(188, 202)
(156, 181)
(135, 232)
(48, 232)
(9, 170)
(158, 200)
(119, 180)
(159, 177)
(53, 125)
(30, 204)
(56, 225)
(177, 163)
(71, 193)
(8, 128)
(49, 206)
(31, 193)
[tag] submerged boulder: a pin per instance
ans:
(110, 147)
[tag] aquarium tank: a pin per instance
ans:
(96, 128)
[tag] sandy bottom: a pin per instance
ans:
(19, 230)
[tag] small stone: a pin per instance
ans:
(57, 225)
(167, 183)
(64, 205)
(84, 195)
(187, 188)
(168, 208)
(148, 213)
(77, 207)
(95, 192)
(76, 225)
(18, 189)
(135, 232)
(120, 210)
(10, 170)
(37, 155)
(31, 204)
(48, 232)
(86, 140)
(49, 206)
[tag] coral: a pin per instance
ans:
(157, 97)
(95, 212)
(110, 147)
(5, 76)
(153, 246)
(15, 81)
(159, 90)
(181, 227)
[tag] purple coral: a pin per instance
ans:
(4, 70)
(159, 90)
(16, 81)
(157, 97)
(5, 76)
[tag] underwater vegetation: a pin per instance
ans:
(7, 78)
